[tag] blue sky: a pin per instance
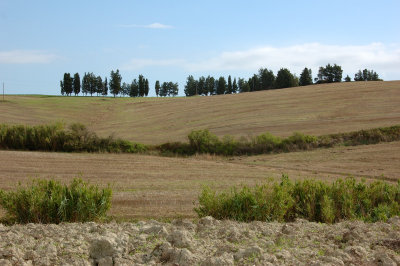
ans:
(168, 40)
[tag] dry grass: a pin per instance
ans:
(151, 186)
(317, 109)
(162, 187)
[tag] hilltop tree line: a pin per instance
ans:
(265, 79)
(92, 84)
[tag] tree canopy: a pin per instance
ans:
(329, 74)
(285, 79)
(366, 75)
(305, 77)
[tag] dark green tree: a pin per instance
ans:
(67, 82)
(191, 86)
(234, 86)
(115, 82)
(134, 89)
(229, 89)
(172, 89)
(77, 84)
(347, 78)
(330, 74)
(85, 84)
(221, 87)
(146, 87)
(254, 83)
(164, 89)
(141, 85)
(92, 83)
(243, 85)
(305, 77)
(366, 75)
(99, 86)
(105, 87)
(266, 78)
(157, 87)
(62, 87)
(285, 79)
(125, 89)
(210, 86)
(201, 86)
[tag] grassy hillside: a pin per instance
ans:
(317, 109)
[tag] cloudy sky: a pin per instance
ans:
(168, 40)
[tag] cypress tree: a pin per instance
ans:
(77, 84)
(305, 77)
(134, 88)
(115, 82)
(141, 86)
(157, 87)
(234, 86)
(146, 87)
(62, 87)
(105, 87)
(221, 87)
(229, 88)
(67, 83)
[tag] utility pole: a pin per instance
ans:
(3, 91)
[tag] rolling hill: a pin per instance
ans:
(316, 109)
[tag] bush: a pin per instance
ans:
(309, 199)
(202, 141)
(77, 138)
(175, 148)
(48, 201)
(299, 141)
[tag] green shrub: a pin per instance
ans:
(299, 141)
(48, 201)
(228, 146)
(309, 199)
(77, 138)
(202, 141)
(171, 148)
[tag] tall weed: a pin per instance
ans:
(309, 199)
(48, 201)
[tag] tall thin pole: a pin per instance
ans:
(3, 91)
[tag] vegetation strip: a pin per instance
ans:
(48, 201)
(308, 199)
(55, 137)
(202, 141)
(77, 138)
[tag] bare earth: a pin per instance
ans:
(162, 187)
(205, 242)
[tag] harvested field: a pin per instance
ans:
(316, 110)
(163, 187)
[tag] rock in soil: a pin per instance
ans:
(207, 242)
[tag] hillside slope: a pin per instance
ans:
(317, 109)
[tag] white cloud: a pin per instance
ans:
(149, 26)
(313, 55)
(385, 59)
(26, 57)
